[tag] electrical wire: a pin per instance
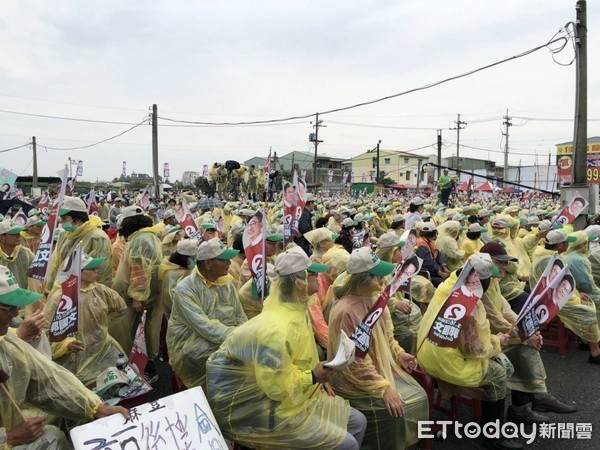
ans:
(562, 39)
(74, 119)
(490, 150)
(14, 148)
(100, 142)
(380, 126)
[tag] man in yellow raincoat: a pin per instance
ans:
(205, 311)
(12, 254)
(261, 379)
(79, 227)
(33, 380)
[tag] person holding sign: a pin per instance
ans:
(378, 385)
(206, 309)
(457, 346)
(34, 381)
(260, 380)
(579, 313)
(12, 254)
(79, 227)
(93, 349)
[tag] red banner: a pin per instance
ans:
(66, 317)
(185, 219)
(92, 206)
(446, 327)
(254, 249)
(138, 358)
(44, 204)
(39, 267)
(402, 274)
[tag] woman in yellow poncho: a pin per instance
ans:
(137, 282)
(447, 244)
(79, 227)
(472, 243)
(468, 368)
(33, 233)
(321, 240)
(260, 380)
(175, 267)
(378, 385)
(93, 350)
(406, 316)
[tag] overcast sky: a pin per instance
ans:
(229, 61)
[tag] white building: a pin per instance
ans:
(189, 177)
(541, 176)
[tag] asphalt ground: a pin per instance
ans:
(571, 379)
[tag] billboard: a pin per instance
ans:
(564, 163)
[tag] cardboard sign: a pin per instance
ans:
(180, 421)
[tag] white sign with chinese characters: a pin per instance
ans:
(180, 421)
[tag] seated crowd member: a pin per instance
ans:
(260, 380)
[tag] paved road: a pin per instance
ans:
(571, 379)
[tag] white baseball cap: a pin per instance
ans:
(10, 292)
(364, 260)
(319, 235)
(389, 239)
(187, 247)
(10, 227)
(477, 228)
(295, 260)
(429, 226)
(131, 211)
(70, 204)
(484, 266)
(214, 249)
(558, 236)
(417, 201)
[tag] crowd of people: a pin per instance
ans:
(263, 362)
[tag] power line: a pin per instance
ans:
(562, 39)
(541, 119)
(14, 148)
(381, 126)
(100, 142)
(74, 119)
(494, 151)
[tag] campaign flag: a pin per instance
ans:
(289, 198)
(43, 205)
(166, 171)
(92, 206)
(571, 210)
(330, 176)
(205, 170)
(345, 177)
(124, 173)
(372, 176)
(352, 177)
(7, 177)
(144, 200)
(299, 203)
(547, 305)
(553, 268)
(38, 269)
(402, 274)
(446, 327)
(20, 218)
(185, 219)
(66, 317)
(254, 249)
(267, 171)
(138, 358)
(71, 186)
(19, 194)
(79, 170)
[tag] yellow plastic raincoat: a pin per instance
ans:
(18, 263)
(203, 315)
(364, 382)
(448, 245)
(576, 257)
(467, 364)
(37, 382)
(169, 274)
(137, 279)
(32, 242)
(98, 305)
(577, 315)
(260, 383)
(95, 243)
(511, 285)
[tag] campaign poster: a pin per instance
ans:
(66, 317)
(571, 210)
(254, 249)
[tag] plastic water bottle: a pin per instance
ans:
(121, 362)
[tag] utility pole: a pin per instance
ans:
(458, 127)
(418, 174)
(507, 124)
(314, 137)
(377, 172)
(438, 171)
(580, 132)
(35, 170)
(155, 150)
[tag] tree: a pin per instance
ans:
(384, 179)
(201, 184)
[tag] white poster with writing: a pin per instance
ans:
(180, 421)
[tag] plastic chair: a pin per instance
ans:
(556, 335)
